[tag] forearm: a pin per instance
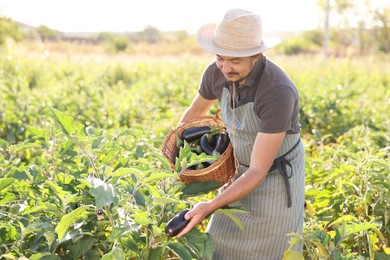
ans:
(266, 147)
(244, 185)
(191, 113)
(199, 107)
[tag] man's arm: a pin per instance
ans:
(199, 107)
(263, 154)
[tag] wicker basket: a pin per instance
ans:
(221, 170)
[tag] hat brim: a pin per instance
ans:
(205, 38)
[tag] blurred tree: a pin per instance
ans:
(326, 29)
(297, 45)
(121, 43)
(118, 42)
(8, 28)
(314, 36)
(104, 37)
(354, 27)
(382, 16)
(177, 36)
(150, 34)
(46, 33)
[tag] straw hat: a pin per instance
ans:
(239, 34)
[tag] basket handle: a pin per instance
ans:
(216, 115)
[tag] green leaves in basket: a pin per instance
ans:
(188, 158)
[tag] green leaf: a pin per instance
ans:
(326, 239)
(180, 250)
(160, 176)
(381, 256)
(188, 158)
(201, 243)
(130, 243)
(8, 232)
(141, 218)
(154, 253)
(343, 229)
(122, 230)
(126, 171)
(165, 200)
(59, 192)
(345, 219)
(232, 209)
(137, 195)
(104, 193)
(3, 143)
(164, 161)
(209, 247)
(46, 207)
(44, 256)
(292, 255)
(356, 228)
(5, 182)
(9, 197)
(153, 189)
(67, 124)
(69, 219)
(115, 254)
(81, 246)
(379, 234)
(337, 237)
(228, 211)
(36, 132)
(234, 218)
(56, 188)
(196, 188)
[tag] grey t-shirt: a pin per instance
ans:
(275, 96)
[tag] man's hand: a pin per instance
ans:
(196, 215)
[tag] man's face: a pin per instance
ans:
(236, 69)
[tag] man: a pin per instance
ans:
(260, 107)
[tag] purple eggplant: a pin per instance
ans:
(222, 142)
(205, 145)
(194, 133)
(176, 224)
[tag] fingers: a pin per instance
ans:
(196, 215)
(188, 215)
(188, 228)
(195, 218)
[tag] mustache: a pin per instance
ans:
(232, 74)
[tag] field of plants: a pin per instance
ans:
(82, 176)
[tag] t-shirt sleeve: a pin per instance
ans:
(206, 83)
(205, 89)
(276, 110)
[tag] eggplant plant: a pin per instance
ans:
(94, 201)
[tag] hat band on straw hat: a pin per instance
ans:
(233, 46)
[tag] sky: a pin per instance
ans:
(165, 15)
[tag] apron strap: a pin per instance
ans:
(281, 164)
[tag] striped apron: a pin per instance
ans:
(273, 212)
